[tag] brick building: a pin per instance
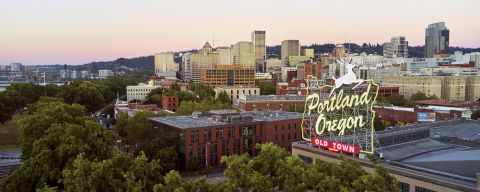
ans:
(384, 91)
(271, 102)
(170, 102)
(208, 137)
(295, 86)
(228, 75)
(393, 116)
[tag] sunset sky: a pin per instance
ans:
(79, 31)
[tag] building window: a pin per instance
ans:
(421, 189)
(404, 187)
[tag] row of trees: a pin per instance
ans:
(399, 100)
(93, 95)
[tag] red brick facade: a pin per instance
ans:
(170, 102)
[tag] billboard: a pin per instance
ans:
(340, 116)
(426, 117)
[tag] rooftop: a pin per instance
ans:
(288, 97)
(223, 117)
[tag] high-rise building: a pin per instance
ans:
(243, 54)
(289, 48)
(436, 39)
(225, 55)
(164, 62)
(258, 39)
(339, 51)
(308, 52)
(204, 58)
(397, 47)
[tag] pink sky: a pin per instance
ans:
(76, 32)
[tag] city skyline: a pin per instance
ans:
(74, 32)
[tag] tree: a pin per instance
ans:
(397, 100)
(223, 97)
(475, 115)
(377, 123)
(51, 137)
(4, 115)
(268, 89)
(155, 92)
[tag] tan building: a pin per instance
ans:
(234, 92)
(444, 87)
(243, 54)
(472, 88)
(228, 75)
(409, 85)
(258, 39)
(290, 48)
(205, 58)
(164, 62)
(453, 88)
(308, 52)
(339, 51)
(295, 60)
(139, 91)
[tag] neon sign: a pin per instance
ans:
(341, 112)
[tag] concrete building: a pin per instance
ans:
(243, 54)
(436, 39)
(234, 92)
(202, 59)
(226, 132)
(258, 40)
(377, 73)
(225, 56)
(289, 48)
(444, 87)
(272, 102)
(263, 76)
(228, 75)
(423, 158)
(397, 47)
(288, 73)
(140, 91)
(339, 51)
(450, 71)
(409, 85)
(472, 88)
(164, 62)
(295, 60)
(104, 73)
(308, 52)
(472, 57)
(414, 65)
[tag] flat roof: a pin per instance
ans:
(190, 122)
(288, 97)
(444, 158)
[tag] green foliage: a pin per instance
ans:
(475, 115)
(193, 164)
(274, 169)
(268, 89)
(377, 123)
(188, 107)
(119, 173)
(223, 97)
(51, 136)
(397, 100)
(203, 92)
(155, 92)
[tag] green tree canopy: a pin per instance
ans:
(397, 100)
(268, 89)
(51, 136)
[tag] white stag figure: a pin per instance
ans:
(348, 78)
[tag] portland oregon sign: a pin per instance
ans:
(339, 116)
